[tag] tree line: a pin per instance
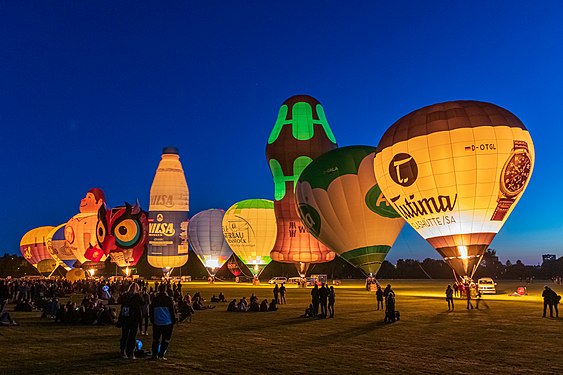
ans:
(17, 266)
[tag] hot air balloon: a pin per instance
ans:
(234, 266)
(206, 238)
(168, 214)
(80, 231)
(56, 245)
(47, 266)
(75, 274)
(300, 134)
(250, 230)
(341, 204)
(122, 233)
(33, 245)
(455, 171)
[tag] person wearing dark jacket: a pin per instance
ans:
(163, 318)
(129, 319)
(550, 299)
(323, 299)
(315, 300)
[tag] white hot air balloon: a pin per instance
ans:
(207, 240)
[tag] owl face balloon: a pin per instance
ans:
(455, 171)
(122, 233)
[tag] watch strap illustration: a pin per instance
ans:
(502, 208)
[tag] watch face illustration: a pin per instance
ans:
(516, 173)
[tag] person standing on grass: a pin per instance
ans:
(323, 300)
(390, 306)
(386, 293)
(276, 293)
(331, 298)
(315, 300)
(163, 319)
(450, 298)
(130, 318)
(468, 295)
(379, 297)
(479, 295)
(456, 289)
(144, 312)
(282, 294)
(4, 294)
(549, 297)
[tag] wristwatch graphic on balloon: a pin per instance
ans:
(513, 177)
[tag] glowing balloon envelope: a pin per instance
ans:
(33, 245)
(75, 274)
(122, 233)
(206, 238)
(46, 266)
(300, 134)
(341, 204)
(250, 230)
(455, 171)
(168, 214)
(233, 266)
(80, 230)
(56, 245)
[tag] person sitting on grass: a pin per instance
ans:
(51, 308)
(24, 305)
(232, 307)
(254, 306)
(273, 305)
(107, 316)
(264, 306)
(185, 308)
(6, 320)
(222, 297)
(308, 312)
(242, 306)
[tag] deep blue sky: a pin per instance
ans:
(90, 92)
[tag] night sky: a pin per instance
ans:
(91, 91)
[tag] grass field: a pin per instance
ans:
(509, 337)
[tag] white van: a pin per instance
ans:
(487, 285)
(277, 280)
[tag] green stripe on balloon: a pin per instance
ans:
(302, 122)
(254, 203)
(280, 122)
(334, 164)
(299, 164)
(368, 258)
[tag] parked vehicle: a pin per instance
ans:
(487, 285)
(317, 279)
(277, 280)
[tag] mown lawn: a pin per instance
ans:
(509, 337)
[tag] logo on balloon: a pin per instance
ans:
(69, 234)
(377, 203)
(310, 218)
(403, 169)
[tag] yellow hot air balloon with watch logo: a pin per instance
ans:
(455, 171)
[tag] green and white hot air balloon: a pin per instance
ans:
(341, 204)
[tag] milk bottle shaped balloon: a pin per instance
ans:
(168, 213)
